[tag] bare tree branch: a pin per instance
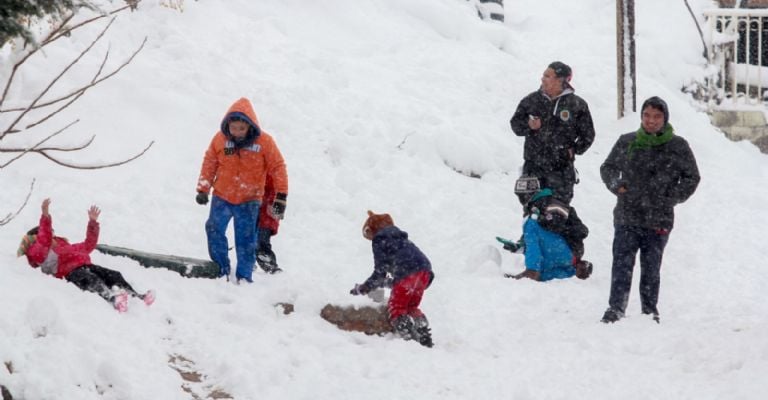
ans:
(60, 30)
(67, 31)
(33, 149)
(56, 79)
(99, 166)
(80, 91)
(31, 52)
(8, 218)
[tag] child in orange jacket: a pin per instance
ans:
(236, 165)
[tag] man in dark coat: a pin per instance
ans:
(650, 171)
(557, 126)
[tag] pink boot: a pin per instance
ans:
(149, 297)
(121, 302)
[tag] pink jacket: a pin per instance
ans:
(68, 257)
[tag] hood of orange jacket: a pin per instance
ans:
(240, 176)
(242, 109)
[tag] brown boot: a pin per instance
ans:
(583, 269)
(528, 273)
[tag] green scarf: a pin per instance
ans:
(644, 140)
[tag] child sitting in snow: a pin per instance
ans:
(553, 238)
(54, 255)
(411, 274)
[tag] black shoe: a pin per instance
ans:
(611, 316)
(271, 269)
(653, 312)
(421, 332)
(424, 336)
(267, 263)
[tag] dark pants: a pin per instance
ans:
(264, 255)
(627, 240)
(99, 280)
(561, 181)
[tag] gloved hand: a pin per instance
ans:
(358, 290)
(278, 207)
(202, 198)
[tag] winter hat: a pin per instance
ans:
(253, 130)
(375, 223)
(562, 70)
(26, 242)
(659, 104)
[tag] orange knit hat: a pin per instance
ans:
(374, 223)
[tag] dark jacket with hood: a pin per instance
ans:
(656, 178)
(566, 123)
(394, 255)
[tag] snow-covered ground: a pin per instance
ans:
(374, 105)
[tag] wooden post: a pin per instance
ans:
(626, 80)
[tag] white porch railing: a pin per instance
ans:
(736, 41)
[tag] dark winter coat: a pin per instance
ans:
(656, 179)
(566, 123)
(395, 255)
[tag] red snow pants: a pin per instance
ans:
(406, 295)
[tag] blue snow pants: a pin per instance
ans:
(246, 217)
(627, 240)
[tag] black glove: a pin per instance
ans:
(202, 198)
(359, 289)
(278, 207)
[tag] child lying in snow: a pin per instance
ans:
(54, 255)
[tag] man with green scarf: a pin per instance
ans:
(650, 171)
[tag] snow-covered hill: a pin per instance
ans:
(375, 105)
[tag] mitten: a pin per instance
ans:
(358, 290)
(202, 198)
(278, 207)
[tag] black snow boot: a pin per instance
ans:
(653, 312)
(404, 327)
(611, 316)
(268, 263)
(421, 332)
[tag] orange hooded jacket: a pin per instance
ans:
(237, 175)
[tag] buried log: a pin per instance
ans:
(366, 319)
(185, 266)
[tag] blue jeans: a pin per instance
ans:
(246, 217)
(627, 240)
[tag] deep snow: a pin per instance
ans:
(374, 105)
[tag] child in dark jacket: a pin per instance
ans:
(55, 256)
(553, 238)
(399, 263)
